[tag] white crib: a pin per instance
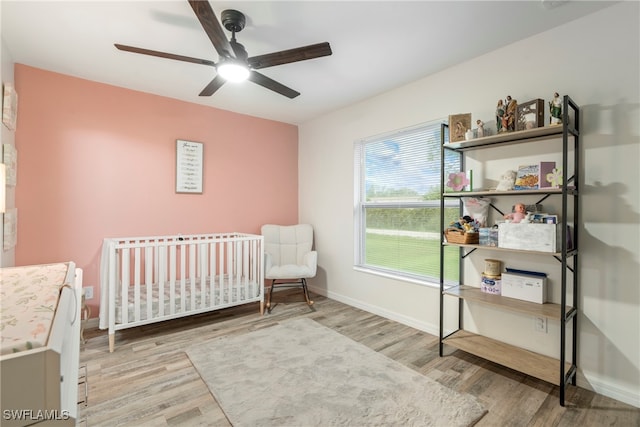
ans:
(152, 279)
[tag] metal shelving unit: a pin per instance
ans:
(558, 371)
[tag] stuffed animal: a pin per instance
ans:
(507, 181)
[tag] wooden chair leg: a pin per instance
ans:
(306, 292)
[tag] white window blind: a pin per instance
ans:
(397, 203)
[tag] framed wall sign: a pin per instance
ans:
(189, 166)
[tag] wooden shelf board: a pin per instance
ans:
(472, 293)
(528, 135)
(495, 248)
(486, 192)
(536, 365)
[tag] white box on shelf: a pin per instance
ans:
(529, 237)
(524, 287)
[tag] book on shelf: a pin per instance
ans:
(533, 177)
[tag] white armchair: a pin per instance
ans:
(289, 257)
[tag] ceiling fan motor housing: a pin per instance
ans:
(233, 20)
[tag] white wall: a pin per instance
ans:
(596, 61)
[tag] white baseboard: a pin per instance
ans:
(583, 380)
(591, 382)
(405, 320)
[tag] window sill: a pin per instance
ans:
(396, 276)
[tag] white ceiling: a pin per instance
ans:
(377, 45)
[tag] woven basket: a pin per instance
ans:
(454, 235)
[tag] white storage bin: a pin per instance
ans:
(529, 236)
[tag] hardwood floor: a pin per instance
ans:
(149, 381)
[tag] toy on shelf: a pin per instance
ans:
(464, 231)
(507, 181)
(518, 215)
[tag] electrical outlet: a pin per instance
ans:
(540, 324)
(88, 292)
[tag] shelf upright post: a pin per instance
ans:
(576, 220)
(570, 128)
(443, 128)
(563, 246)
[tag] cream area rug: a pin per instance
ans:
(300, 373)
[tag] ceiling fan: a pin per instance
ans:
(233, 57)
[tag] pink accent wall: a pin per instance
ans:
(98, 161)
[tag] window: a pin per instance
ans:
(397, 204)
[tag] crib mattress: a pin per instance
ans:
(29, 298)
(224, 295)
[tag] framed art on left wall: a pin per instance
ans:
(10, 229)
(10, 159)
(189, 166)
(9, 106)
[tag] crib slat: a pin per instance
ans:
(212, 273)
(245, 268)
(255, 263)
(162, 278)
(192, 276)
(136, 284)
(221, 281)
(125, 285)
(230, 270)
(202, 262)
(172, 279)
(238, 270)
(148, 278)
(183, 278)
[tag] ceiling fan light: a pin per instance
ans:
(233, 72)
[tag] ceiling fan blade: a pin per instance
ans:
(273, 85)
(164, 55)
(291, 55)
(213, 86)
(212, 27)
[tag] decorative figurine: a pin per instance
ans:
(499, 116)
(555, 108)
(519, 213)
(510, 113)
(480, 130)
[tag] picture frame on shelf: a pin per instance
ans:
(459, 124)
(530, 115)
